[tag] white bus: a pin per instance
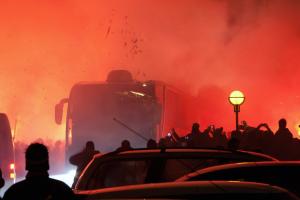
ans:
(122, 108)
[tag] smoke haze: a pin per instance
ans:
(207, 48)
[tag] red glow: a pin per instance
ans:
(208, 48)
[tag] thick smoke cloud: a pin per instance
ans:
(207, 48)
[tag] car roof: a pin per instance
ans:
(239, 165)
(181, 188)
(187, 151)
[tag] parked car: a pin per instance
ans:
(204, 190)
(155, 165)
(285, 174)
(7, 163)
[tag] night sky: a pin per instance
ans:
(205, 47)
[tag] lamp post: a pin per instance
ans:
(236, 98)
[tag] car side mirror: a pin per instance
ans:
(59, 111)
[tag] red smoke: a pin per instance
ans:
(207, 47)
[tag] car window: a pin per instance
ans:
(240, 174)
(118, 173)
(151, 170)
(175, 168)
(129, 172)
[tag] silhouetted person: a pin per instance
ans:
(195, 128)
(194, 136)
(125, 145)
(205, 139)
(175, 137)
(266, 143)
(151, 144)
(266, 127)
(198, 139)
(219, 139)
(162, 143)
(283, 132)
(82, 158)
(171, 139)
(283, 141)
(233, 144)
(37, 184)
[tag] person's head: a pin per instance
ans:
(125, 144)
(195, 127)
(282, 123)
(151, 144)
(37, 157)
(89, 146)
(162, 143)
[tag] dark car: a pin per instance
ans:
(155, 165)
(285, 174)
(204, 190)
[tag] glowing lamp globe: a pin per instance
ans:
(236, 98)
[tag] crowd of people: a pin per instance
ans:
(260, 139)
(280, 144)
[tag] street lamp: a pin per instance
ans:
(236, 98)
